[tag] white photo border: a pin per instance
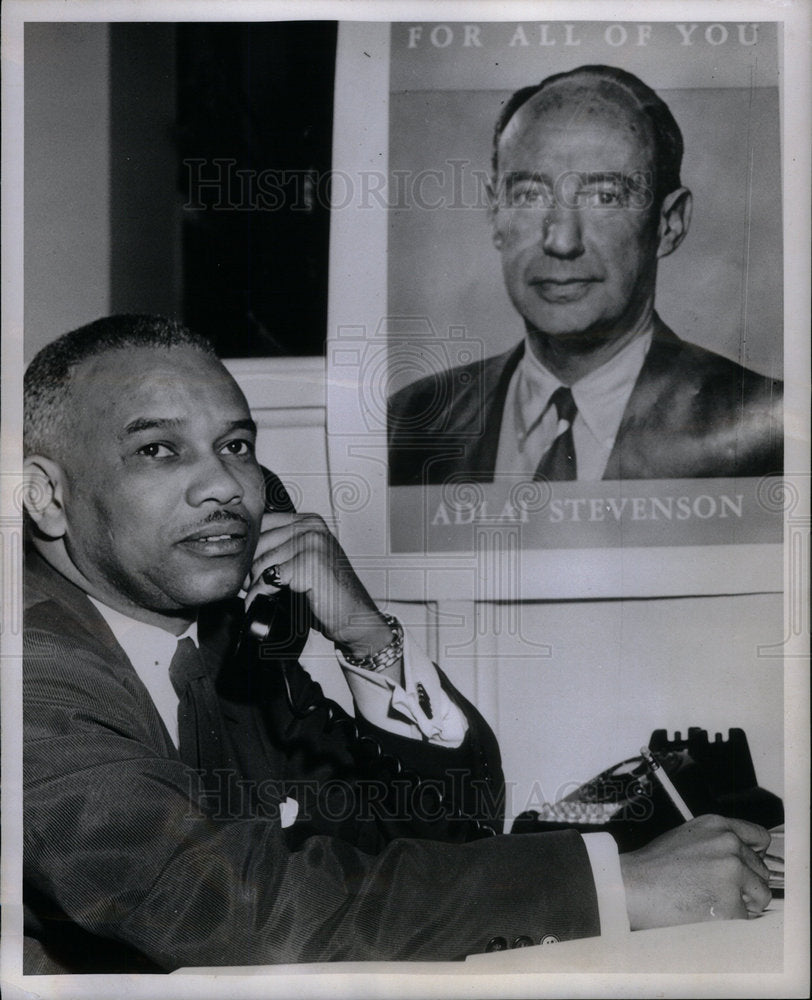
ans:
(793, 574)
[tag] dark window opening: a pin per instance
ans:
(254, 139)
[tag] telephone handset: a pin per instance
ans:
(281, 621)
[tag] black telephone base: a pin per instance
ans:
(712, 777)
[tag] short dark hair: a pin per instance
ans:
(47, 381)
(668, 144)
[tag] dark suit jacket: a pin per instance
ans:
(130, 866)
(691, 414)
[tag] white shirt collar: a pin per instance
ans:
(601, 396)
(150, 649)
(139, 639)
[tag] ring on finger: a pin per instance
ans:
(272, 576)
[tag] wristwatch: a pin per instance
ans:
(391, 652)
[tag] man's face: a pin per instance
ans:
(573, 217)
(163, 493)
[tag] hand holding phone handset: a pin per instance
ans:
(301, 578)
(279, 618)
(297, 555)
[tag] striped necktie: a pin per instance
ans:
(558, 462)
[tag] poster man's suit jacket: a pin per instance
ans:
(691, 414)
(129, 866)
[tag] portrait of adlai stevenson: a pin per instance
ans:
(585, 200)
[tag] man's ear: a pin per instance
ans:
(493, 215)
(44, 495)
(675, 218)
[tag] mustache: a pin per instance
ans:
(561, 278)
(217, 517)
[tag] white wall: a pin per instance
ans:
(102, 214)
(67, 178)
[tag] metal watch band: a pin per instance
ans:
(385, 657)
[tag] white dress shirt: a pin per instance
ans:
(379, 699)
(530, 425)
(150, 650)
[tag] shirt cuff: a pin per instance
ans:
(420, 709)
(605, 862)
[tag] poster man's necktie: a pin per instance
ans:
(200, 738)
(558, 462)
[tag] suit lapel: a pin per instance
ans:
(497, 374)
(72, 610)
(657, 371)
(82, 613)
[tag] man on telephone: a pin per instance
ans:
(191, 798)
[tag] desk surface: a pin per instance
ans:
(733, 946)
(737, 946)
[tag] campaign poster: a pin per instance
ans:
(678, 434)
